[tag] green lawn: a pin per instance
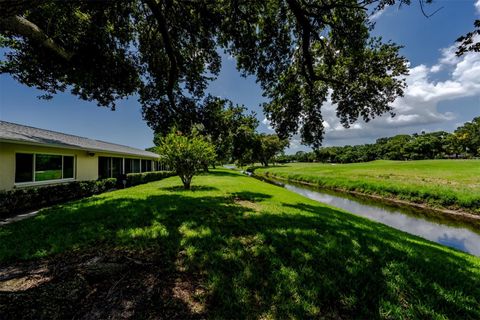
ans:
(257, 251)
(441, 183)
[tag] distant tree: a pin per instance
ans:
(426, 146)
(269, 145)
(468, 137)
(300, 156)
(226, 124)
(186, 154)
(245, 145)
(219, 120)
(464, 141)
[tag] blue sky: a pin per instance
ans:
(444, 91)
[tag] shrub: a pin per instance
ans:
(186, 154)
(134, 179)
(21, 200)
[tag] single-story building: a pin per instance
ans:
(31, 156)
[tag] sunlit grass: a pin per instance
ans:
(441, 183)
(261, 251)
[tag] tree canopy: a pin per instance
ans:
(302, 52)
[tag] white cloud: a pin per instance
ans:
(378, 14)
(419, 106)
(477, 6)
(267, 123)
(436, 68)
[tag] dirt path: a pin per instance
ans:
(99, 285)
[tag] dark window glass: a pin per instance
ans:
(117, 166)
(146, 165)
(48, 167)
(67, 167)
(23, 167)
(136, 165)
(103, 167)
(128, 166)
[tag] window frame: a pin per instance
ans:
(35, 183)
(110, 170)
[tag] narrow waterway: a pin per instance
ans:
(458, 235)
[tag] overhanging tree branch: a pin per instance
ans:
(306, 34)
(25, 28)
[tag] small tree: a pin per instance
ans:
(269, 146)
(186, 154)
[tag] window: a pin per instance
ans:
(67, 167)
(117, 167)
(43, 167)
(146, 165)
(104, 167)
(109, 167)
(48, 167)
(132, 165)
(23, 167)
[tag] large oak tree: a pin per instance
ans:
(167, 51)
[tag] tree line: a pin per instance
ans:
(464, 142)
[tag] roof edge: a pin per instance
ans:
(72, 147)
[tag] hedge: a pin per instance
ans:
(134, 179)
(25, 199)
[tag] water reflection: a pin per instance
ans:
(457, 237)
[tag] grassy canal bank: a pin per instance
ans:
(233, 247)
(449, 184)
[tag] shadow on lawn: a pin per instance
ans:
(236, 262)
(192, 188)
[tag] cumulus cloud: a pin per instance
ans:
(419, 107)
(477, 6)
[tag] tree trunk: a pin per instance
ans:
(22, 27)
(186, 182)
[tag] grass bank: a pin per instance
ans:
(449, 184)
(233, 248)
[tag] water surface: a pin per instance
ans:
(458, 235)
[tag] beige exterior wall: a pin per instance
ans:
(86, 166)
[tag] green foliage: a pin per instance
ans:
(24, 199)
(463, 143)
(269, 146)
(451, 184)
(167, 52)
(222, 122)
(467, 137)
(134, 179)
(255, 250)
(186, 155)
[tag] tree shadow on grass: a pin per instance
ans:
(297, 261)
(222, 173)
(192, 188)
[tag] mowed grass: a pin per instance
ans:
(439, 183)
(261, 251)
